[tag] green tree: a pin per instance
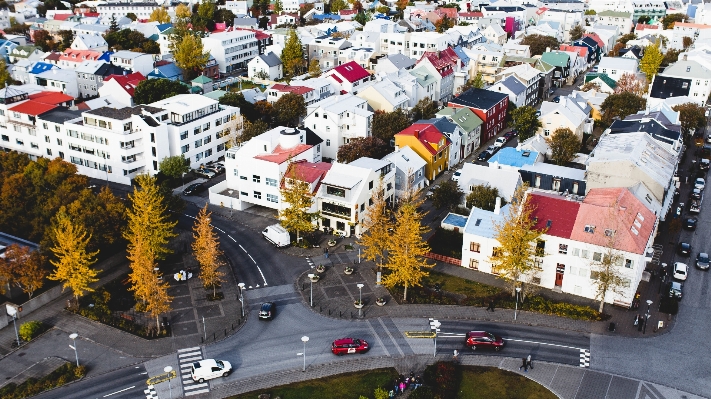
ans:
(483, 197)
(30, 330)
(159, 15)
(338, 5)
(292, 56)
(5, 77)
(174, 166)
(670, 57)
(670, 19)
(386, 124)
(517, 237)
(692, 117)
(621, 105)
(525, 122)
(190, 56)
(651, 61)
(564, 145)
(383, 9)
(278, 7)
(206, 248)
(371, 147)
(236, 99)
(447, 195)
(443, 24)
(424, 109)
(113, 25)
(225, 16)
(590, 12)
(132, 16)
(151, 90)
(626, 38)
(577, 32)
(377, 225)
(362, 18)
(314, 68)
(252, 129)
(71, 260)
(539, 43)
(289, 109)
(67, 39)
(297, 216)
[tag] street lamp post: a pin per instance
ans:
(231, 191)
(647, 316)
(304, 339)
(241, 297)
(311, 279)
(73, 337)
(183, 179)
(360, 299)
(518, 290)
(436, 325)
(168, 369)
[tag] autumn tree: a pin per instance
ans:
(517, 237)
(616, 49)
(564, 144)
(406, 262)
(447, 195)
(386, 124)
(651, 61)
(174, 166)
(207, 251)
(265, 111)
(190, 56)
(670, 57)
(577, 32)
(539, 43)
(71, 260)
(626, 38)
(338, 5)
(252, 129)
(377, 225)
(289, 109)
(631, 83)
(621, 105)
(314, 68)
(152, 90)
(692, 117)
(483, 197)
(525, 122)
(278, 7)
(359, 147)
(670, 19)
(292, 56)
(159, 15)
(23, 268)
(382, 9)
(236, 99)
(44, 40)
(477, 82)
(296, 192)
(590, 86)
(5, 77)
(424, 109)
(443, 24)
(400, 6)
(606, 266)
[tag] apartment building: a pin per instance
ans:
(232, 50)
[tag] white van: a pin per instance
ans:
(277, 235)
(209, 368)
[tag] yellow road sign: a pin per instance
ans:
(161, 378)
(420, 334)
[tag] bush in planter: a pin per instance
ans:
(30, 330)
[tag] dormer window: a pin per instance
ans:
(590, 229)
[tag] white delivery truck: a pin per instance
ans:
(277, 235)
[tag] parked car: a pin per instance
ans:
(483, 156)
(216, 167)
(267, 311)
(206, 173)
(684, 249)
(675, 290)
(492, 149)
(556, 99)
(690, 223)
(702, 261)
(704, 164)
(680, 271)
(700, 184)
(194, 188)
(455, 176)
(508, 135)
(349, 345)
(430, 192)
(514, 132)
(208, 369)
(695, 194)
(483, 339)
(500, 142)
(277, 235)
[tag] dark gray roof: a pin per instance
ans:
(60, 115)
(649, 126)
(514, 85)
(270, 59)
(479, 98)
(245, 21)
(122, 113)
(401, 61)
(667, 86)
(442, 124)
(311, 137)
(657, 116)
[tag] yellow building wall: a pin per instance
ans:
(435, 163)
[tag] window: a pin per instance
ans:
(338, 192)
(272, 198)
(540, 248)
(474, 264)
(629, 263)
(576, 251)
(328, 143)
(5, 137)
(589, 229)
(563, 249)
(256, 179)
(594, 275)
(546, 132)
(257, 195)
(584, 253)
(370, 185)
(185, 148)
(270, 182)
(609, 232)
(474, 247)
(198, 143)
(597, 256)
(184, 135)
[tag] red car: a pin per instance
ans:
(483, 339)
(349, 345)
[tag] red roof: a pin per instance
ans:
(597, 39)
(33, 108)
(308, 172)
(541, 10)
(428, 135)
(61, 17)
(53, 56)
(347, 12)
(451, 13)
(128, 82)
(352, 71)
(473, 14)
(281, 155)
(581, 50)
(79, 55)
(90, 14)
(300, 90)
(51, 97)
(555, 210)
(443, 61)
(258, 34)
(645, 26)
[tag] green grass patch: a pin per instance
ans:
(457, 285)
(447, 243)
(63, 375)
(342, 386)
(489, 382)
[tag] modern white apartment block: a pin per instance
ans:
(142, 10)
(233, 49)
(136, 62)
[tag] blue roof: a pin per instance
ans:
(512, 157)
(455, 220)
(168, 71)
(481, 222)
(106, 56)
(163, 27)
(334, 17)
(40, 67)
(461, 54)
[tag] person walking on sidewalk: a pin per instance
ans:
(524, 364)
(491, 306)
(529, 362)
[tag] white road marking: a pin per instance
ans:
(191, 217)
(114, 393)
(250, 257)
(231, 238)
(194, 348)
(240, 245)
(457, 335)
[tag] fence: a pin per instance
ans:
(442, 258)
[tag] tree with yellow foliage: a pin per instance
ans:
(159, 15)
(297, 193)
(73, 262)
(190, 55)
(207, 251)
(377, 225)
(158, 300)
(406, 250)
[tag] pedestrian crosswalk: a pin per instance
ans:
(151, 392)
(186, 357)
(585, 358)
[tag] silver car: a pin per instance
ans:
(702, 261)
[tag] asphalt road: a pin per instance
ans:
(124, 383)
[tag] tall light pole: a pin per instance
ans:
(73, 337)
(168, 369)
(230, 191)
(360, 299)
(647, 316)
(183, 179)
(304, 339)
(518, 290)
(12, 311)
(436, 325)
(241, 297)
(311, 279)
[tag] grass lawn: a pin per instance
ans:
(489, 382)
(457, 285)
(342, 386)
(245, 85)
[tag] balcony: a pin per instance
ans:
(334, 210)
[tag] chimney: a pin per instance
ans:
(497, 208)
(548, 49)
(417, 134)
(685, 55)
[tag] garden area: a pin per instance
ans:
(63, 375)
(447, 243)
(442, 380)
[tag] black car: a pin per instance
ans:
(695, 194)
(675, 290)
(194, 189)
(702, 261)
(483, 156)
(684, 249)
(690, 223)
(556, 99)
(267, 311)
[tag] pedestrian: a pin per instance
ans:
(640, 323)
(491, 306)
(529, 362)
(325, 251)
(636, 320)
(418, 382)
(402, 386)
(524, 364)
(456, 356)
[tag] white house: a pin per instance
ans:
(514, 88)
(61, 80)
(349, 77)
(696, 77)
(409, 170)
(384, 95)
(135, 62)
(278, 90)
(565, 114)
(233, 49)
(615, 67)
(620, 19)
(506, 180)
(121, 87)
(89, 42)
(265, 66)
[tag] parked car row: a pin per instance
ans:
(498, 144)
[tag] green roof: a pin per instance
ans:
(202, 79)
(466, 119)
(215, 94)
(544, 66)
(28, 49)
(556, 58)
(424, 77)
(618, 14)
(603, 76)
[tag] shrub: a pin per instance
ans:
(30, 330)
(64, 374)
(444, 377)
(380, 393)
(422, 393)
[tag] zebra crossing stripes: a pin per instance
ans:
(186, 357)
(585, 358)
(151, 392)
(434, 325)
(310, 262)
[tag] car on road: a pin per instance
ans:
(680, 271)
(695, 194)
(509, 135)
(556, 99)
(702, 261)
(455, 176)
(267, 311)
(209, 368)
(194, 189)
(483, 339)
(345, 346)
(690, 223)
(538, 113)
(700, 184)
(500, 142)
(206, 173)
(704, 164)
(684, 249)
(675, 290)
(484, 155)
(430, 192)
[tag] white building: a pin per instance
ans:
(265, 66)
(615, 67)
(232, 50)
(89, 42)
(565, 114)
(142, 10)
(620, 19)
(135, 62)
(409, 170)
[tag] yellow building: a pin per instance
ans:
(430, 144)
